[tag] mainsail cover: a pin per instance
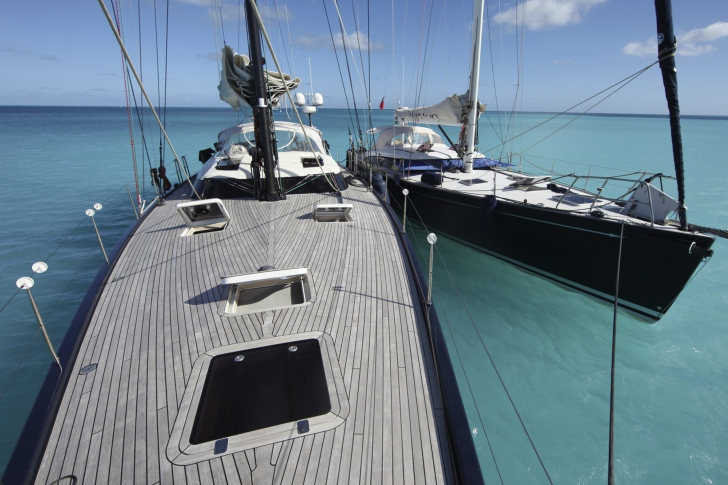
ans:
(235, 86)
(451, 111)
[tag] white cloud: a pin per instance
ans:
(27, 53)
(692, 43)
(559, 62)
(544, 14)
(204, 3)
(357, 41)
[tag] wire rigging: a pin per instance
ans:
(485, 347)
(624, 81)
(338, 65)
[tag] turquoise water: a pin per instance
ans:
(551, 345)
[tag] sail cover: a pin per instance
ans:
(235, 86)
(451, 111)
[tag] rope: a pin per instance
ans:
(586, 111)
(627, 79)
(610, 474)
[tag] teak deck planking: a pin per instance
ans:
(159, 312)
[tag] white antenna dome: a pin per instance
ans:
(318, 100)
(309, 109)
(300, 99)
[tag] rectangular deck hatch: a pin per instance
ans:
(260, 388)
(203, 216)
(246, 395)
(267, 290)
(332, 213)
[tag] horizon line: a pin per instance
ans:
(646, 115)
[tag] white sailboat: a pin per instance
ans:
(267, 323)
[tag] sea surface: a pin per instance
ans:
(551, 346)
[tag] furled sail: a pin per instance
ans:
(451, 111)
(235, 86)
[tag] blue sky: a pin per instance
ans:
(63, 53)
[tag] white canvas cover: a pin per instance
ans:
(235, 88)
(401, 136)
(451, 111)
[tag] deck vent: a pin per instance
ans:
(272, 395)
(203, 216)
(267, 290)
(333, 213)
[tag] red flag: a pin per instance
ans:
(381, 105)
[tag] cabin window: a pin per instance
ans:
(286, 140)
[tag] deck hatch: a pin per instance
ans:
(202, 216)
(333, 213)
(274, 393)
(267, 290)
(271, 386)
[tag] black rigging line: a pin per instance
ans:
(457, 351)
(624, 81)
(338, 65)
(492, 362)
(222, 27)
(610, 472)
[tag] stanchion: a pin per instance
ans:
(90, 213)
(432, 239)
(405, 192)
(25, 283)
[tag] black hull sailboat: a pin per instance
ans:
(543, 223)
(579, 251)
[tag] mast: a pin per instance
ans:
(666, 47)
(262, 116)
(474, 80)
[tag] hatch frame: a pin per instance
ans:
(181, 452)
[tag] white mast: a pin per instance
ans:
(474, 80)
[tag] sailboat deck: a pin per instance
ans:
(159, 312)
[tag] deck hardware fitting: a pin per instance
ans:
(90, 213)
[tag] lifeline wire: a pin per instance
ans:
(472, 322)
(7, 386)
(610, 473)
